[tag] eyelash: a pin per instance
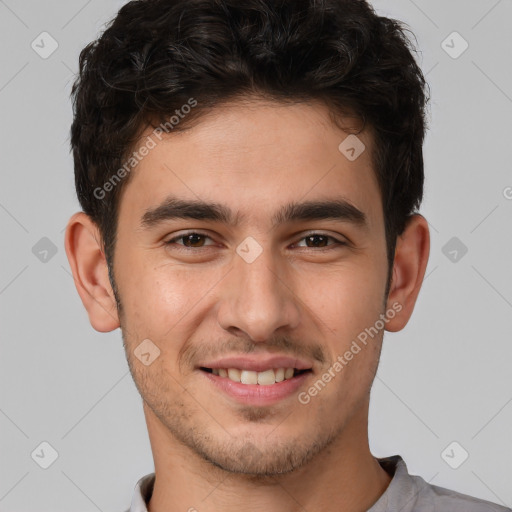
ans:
(172, 241)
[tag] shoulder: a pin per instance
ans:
(411, 493)
(446, 500)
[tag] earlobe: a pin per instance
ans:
(90, 272)
(411, 258)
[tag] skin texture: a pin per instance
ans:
(296, 299)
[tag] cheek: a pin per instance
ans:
(153, 297)
(166, 302)
(346, 299)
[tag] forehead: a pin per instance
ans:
(255, 156)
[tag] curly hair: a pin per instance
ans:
(157, 54)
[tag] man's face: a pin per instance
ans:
(254, 290)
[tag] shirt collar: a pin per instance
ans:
(402, 491)
(400, 495)
(142, 493)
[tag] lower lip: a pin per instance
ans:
(257, 394)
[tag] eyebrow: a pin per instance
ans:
(175, 208)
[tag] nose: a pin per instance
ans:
(258, 298)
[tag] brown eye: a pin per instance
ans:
(319, 240)
(194, 240)
(189, 240)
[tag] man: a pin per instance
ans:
(250, 173)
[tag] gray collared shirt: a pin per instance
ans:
(405, 493)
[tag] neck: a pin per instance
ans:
(344, 476)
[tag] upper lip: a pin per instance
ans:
(258, 364)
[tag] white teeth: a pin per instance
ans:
(234, 374)
(279, 374)
(267, 378)
(264, 378)
(248, 377)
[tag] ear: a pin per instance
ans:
(411, 258)
(90, 272)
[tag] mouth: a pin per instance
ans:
(269, 377)
(257, 388)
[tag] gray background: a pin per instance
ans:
(445, 378)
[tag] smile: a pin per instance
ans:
(264, 378)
